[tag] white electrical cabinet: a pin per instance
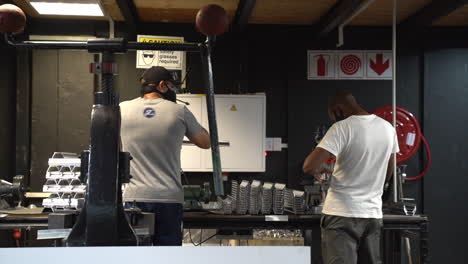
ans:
(241, 131)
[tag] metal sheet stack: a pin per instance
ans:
(243, 198)
(255, 197)
(298, 202)
(62, 181)
(278, 198)
(288, 200)
(267, 198)
(228, 205)
(234, 194)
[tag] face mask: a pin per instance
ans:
(170, 95)
(145, 89)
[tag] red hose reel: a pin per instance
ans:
(409, 135)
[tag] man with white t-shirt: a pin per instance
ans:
(362, 144)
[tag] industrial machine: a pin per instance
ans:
(12, 194)
(196, 195)
(101, 221)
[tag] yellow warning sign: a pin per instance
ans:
(233, 108)
(159, 40)
(171, 60)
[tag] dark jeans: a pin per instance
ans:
(168, 222)
(349, 240)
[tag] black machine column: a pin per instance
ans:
(102, 221)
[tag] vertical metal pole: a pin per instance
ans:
(395, 180)
(210, 103)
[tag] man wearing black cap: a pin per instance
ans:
(152, 130)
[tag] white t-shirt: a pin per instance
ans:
(362, 146)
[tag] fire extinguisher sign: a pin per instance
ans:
(321, 64)
(349, 65)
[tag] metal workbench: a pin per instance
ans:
(395, 227)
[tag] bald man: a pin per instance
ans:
(362, 144)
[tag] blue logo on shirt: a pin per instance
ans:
(149, 112)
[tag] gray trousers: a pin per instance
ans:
(349, 240)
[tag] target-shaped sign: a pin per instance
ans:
(350, 66)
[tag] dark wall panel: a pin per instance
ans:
(23, 113)
(445, 126)
(61, 107)
(409, 92)
(74, 101)
(7, 112)
(43, 113)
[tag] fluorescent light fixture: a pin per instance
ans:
(67, 9)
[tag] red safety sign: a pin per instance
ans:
(321, 65)
(379, 65)
(350, 65)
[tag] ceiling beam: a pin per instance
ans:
(130, 14)
(432, 12)
(243, 13)
(340, 13)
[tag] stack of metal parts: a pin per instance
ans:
(276, 233)
(267, 198)
(243, 198)
(278, 198)
(294, 201)
(298, 202)
(228, 205)
(288, 200)
(234, 194)
(63, 182)
(255, 197)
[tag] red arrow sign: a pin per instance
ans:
(379, 67)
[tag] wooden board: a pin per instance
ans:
(178, 11)
(380, 12)
(458, 17)
(290, 12)
(294, 12)
(26, 7)
(112, 9)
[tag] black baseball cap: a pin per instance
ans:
(156, 74)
